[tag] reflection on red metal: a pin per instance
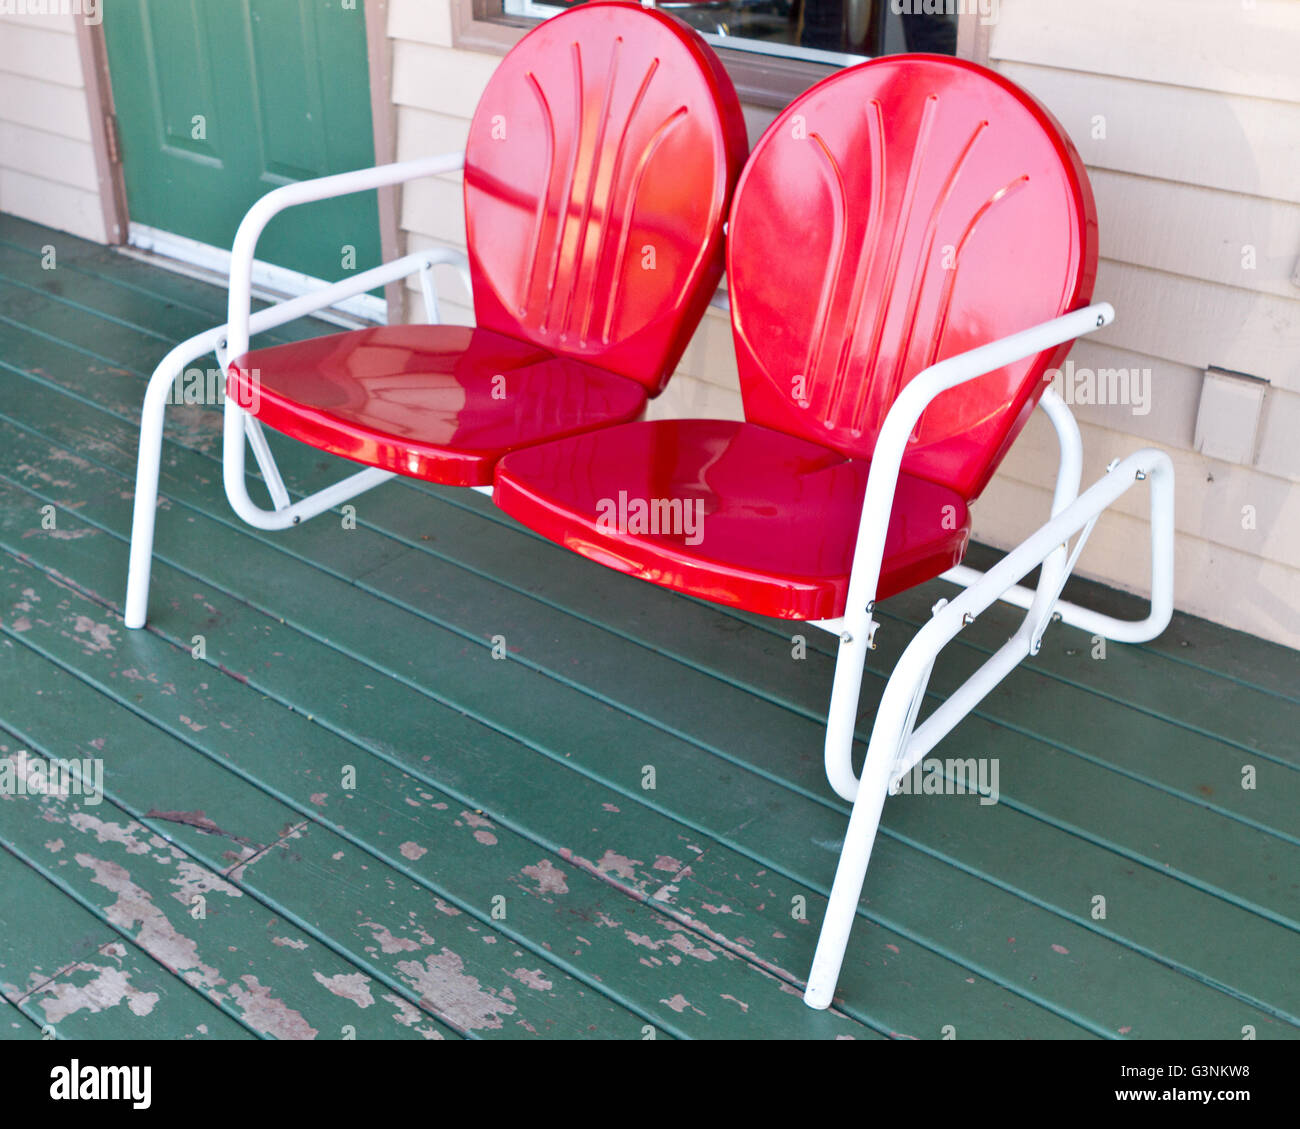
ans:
(438, 402)
(779, 514)
(598, 171)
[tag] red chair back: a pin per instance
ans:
(599, 169)
(897, 213)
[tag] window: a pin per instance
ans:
(773, 49)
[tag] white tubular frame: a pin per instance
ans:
(896, 742)
(231, 340)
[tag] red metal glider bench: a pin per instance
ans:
(597, 174)
(911, 252)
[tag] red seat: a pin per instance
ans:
(598, 170)
(435, 402)
(897, 214)
(746, 516)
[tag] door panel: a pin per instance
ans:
(219, 101)
(290, 112)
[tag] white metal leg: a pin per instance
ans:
(265, 461)
(852, 870)
(856, 641)
(1067, 487)
(1086, 619)
(841, 718)
(147, 463)
(895, 746)
(429, 291)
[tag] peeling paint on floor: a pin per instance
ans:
(548, 876)
(266, 1013)
(354, 986)
(444, 985)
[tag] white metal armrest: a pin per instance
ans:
(897, 744)
(857, 626)
(240, 323)
(231, 340)
(307, 192)
(887, 458)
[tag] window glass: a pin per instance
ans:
(829, 31)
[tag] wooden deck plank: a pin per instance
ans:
(14, 1025)
(1268, 855)
(888, 944)
(51, 293)
(1219, 853)
(384, 911)
(568, 814)
(1002, 941)
(1046, 708)
(1268, 673)
(131, 871)
(1204, 761)
(1140, 685)
(69, 974)
(391, 822)
(103, 267)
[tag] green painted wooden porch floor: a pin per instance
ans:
(396, 835)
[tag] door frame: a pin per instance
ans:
(103, 129)
(91, 47)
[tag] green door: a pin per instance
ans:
(219, 101)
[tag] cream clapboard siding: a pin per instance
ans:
(1200, 159)
(47, 165)
(1187, 114)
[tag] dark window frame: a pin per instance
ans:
(769, 81)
